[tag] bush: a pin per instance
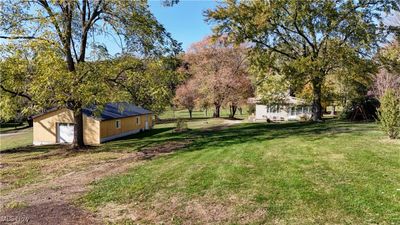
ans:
(304, 118)
(251, 109)
(181, 125)
(389, 114)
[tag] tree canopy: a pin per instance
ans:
(305, 40)
(54, 67)
(219, 72)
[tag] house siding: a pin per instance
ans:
(262, 112)
(128, 125)
(45, 126)
(94, 130)
(91, 130)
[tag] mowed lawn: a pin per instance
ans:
(183, 113)
(15, 138)
(256, 173)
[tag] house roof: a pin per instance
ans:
(289, 100)
(115, 111)
(108, 111)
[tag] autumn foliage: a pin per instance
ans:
(186, 96)
(218, 76)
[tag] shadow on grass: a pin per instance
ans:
(144, 134)
(207, 138)
(14, 130)
(235, 134)
(174, 120)
(31, 149)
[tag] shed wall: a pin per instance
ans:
(108, 129)
(91, 130)
(45, 127)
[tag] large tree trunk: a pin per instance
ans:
(78, 131)
(217, 111)
(333, 112)
(316, 105)
(190, 113)
(232, 111)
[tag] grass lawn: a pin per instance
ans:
(202, 114)
(10, 127)
(12, 138)
(28, 165)
(250, 173)
(293, 173)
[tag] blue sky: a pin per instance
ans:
(185, 20)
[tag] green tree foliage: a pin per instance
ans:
(389, 113)
(305, 40)
(54, 69)
(151, 83)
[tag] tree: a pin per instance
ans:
(387, 89)
(304, 40)
(220, 73)
(66, 27)
(238, 90)
(388, 76)
(151, 83)
(186, 95)
(389, 113)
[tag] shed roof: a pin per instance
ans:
(115, 111)
(108, 111)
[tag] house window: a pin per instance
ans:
(274, 109)
(293, 111)
(138, 120)
(299, 110)
(118, 124)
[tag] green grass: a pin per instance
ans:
(291, 173)
(21, 138)
(160, 134)
(171, 114)
(7, 127)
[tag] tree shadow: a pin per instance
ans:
(31, 149)
(15, 130)
(242, 133)
(222, 136)
(201, 139)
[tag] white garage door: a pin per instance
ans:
(65, 133)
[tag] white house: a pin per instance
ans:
(291, 109)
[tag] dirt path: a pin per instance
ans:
(49, 201)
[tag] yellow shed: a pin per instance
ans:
(115, 120)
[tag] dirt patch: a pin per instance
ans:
(179, 210)
(66, 175)
(48, 213)
(4, 165)
(49, 200)
(168, 147)
(390, 141)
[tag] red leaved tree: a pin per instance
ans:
(219, 72)
(186, 95)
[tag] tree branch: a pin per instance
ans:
(15, 93)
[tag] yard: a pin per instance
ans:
(12, 138)
(217, 172)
